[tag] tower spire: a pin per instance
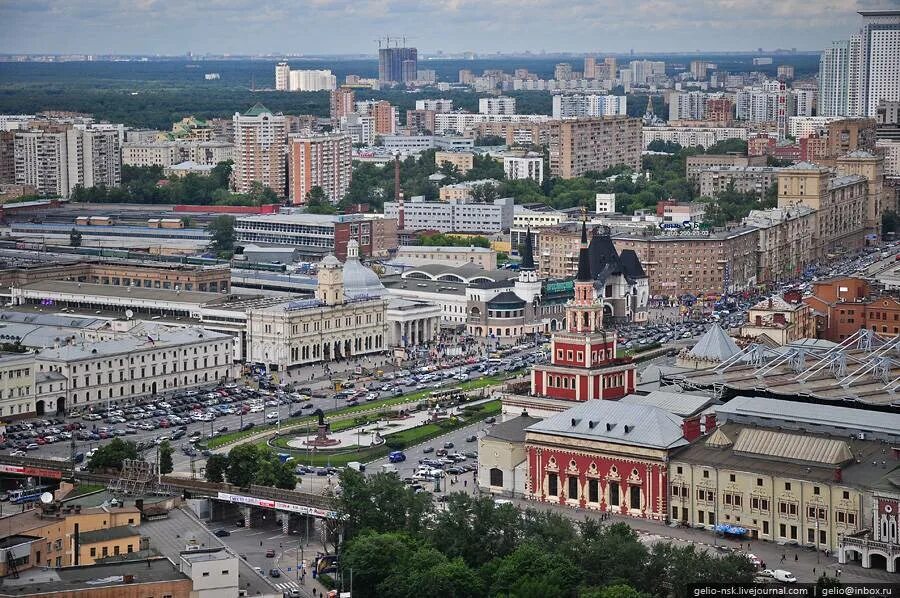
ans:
(528, 252)
(584, 263)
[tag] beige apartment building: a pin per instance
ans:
(746, 179)
(320, 161)
(785, 240)
(581, 145)
(695, 262)
(780, 321)
(260, 144)
(842, 205)
(871, 166)
(17, 387)
(697, 164)
(462, 160)
(522, 133)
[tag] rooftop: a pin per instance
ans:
(443, 249)
(512, 430)
(161, 337)
(39, 581)
(106, 534)
(796, 455)
(108, 290)
(616, 422)
(682, 404)
(715, 345)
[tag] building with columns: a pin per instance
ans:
(350, 315)
(605, 456)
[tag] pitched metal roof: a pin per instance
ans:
(792, 447)
(715, 344)
(682, 404)
(106, 534)
(617, 422)
(512, 430)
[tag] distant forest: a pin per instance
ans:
(156, 94)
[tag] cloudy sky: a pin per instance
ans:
(351, 26)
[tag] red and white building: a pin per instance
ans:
(583, 363)
(606, 456)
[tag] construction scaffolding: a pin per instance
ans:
(138, 478)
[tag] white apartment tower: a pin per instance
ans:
(498, 105)
(578, 105)
(530, 166)
(320, 161)
(312, 80)
(260, 143)
(856, 74)
(687, 105)
(879, 58)
(282, 76)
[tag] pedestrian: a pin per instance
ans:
(782, 557)
(814, 571)
(260, 543)
(465, 483)
(795, 557)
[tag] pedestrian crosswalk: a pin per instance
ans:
(289, 585)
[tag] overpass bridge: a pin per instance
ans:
(263, 497)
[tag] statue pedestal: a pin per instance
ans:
(322, 438)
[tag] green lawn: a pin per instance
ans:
(82, 489)
(335, 417)
(395, 441)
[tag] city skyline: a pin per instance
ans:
(242, 27)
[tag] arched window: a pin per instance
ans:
(496, 477)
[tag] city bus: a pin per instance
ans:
(26, 495)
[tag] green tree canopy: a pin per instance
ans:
(165, 457)
(221, 230)
(112, 454)
(216, 466)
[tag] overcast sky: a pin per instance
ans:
(351, 26)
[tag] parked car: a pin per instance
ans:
(222, 533)
(471, 438)
(270, 553)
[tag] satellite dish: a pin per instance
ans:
(46, 498)
(129, 314)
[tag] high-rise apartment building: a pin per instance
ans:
(54, 159)
(577, 105)
(856, 74)
(839, 78)
(312, 80)
(282, 76)
(562, 71)
(719, 111)
(342, 102)
(7, 157)
(804, 101)
(528, 166)
(879, 58)
(435, 105)
(397, 65)
(590, 67)
(385, 118)
(698, 70)
(580, 145)
(757, 105)
(687, 105)
(642, 71)
(498, 105)
(260, 143)
(319, 161)
(611, 68)
(361, 128)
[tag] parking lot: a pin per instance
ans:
(196, 415)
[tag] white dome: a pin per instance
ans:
(360, 281)
(329, 261)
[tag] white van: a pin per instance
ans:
(784, 576)
(499, 502)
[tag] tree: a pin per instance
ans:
(318, 203)
(272, 472)
(75, 237)
(374, 557)
(485, 193)
(216, 465)
(486, 140)
(186, 221)
(221, 230)
(165, 457)
(111, 456)
(614, 591)
(243, 463)
(380, 502)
